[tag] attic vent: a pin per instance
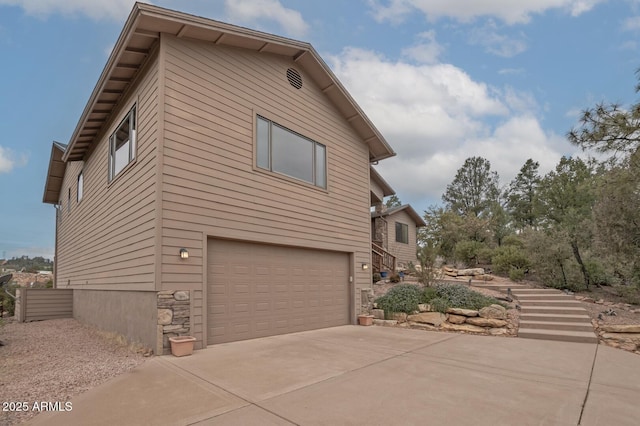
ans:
(294, 78)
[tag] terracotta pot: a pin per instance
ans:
(182, 345)
(365, 319)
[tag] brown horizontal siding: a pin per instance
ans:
(43, 304)
(232, 82)
(210, 186)
(107, 241)
(403, 252)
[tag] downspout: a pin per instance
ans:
(55, 248)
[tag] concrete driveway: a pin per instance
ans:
(371, 376)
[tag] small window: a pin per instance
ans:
(80, 186)
(283, 151)
(402, 233)
(122, 144)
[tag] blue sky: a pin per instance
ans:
(442, 80)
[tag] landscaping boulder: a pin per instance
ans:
(378, 313)
(463, 312)
(493, 311)
(470, 272)
(462, 327)
(486, 322)
(621, 328)
(433, 318)
(399, 316)
(456, 319)
(423, 307)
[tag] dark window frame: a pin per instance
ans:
(115, 144)
(402, 233)
(265, 153)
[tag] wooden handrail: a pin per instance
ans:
(381, 259)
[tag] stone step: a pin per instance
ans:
(567, 303)
(562, 310)
(560, 335)
(556, 325)
(527, 297)
(581, 318)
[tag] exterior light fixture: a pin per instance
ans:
(184, 253)
(365, 266)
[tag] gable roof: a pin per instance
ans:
(139, 37)
(375, 177)
(55, 174)
(409, 210)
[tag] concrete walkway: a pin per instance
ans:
(354, 375)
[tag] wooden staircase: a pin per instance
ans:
(382, 259)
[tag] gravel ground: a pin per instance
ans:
(55, 360)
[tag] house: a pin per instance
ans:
(394, 231)
(217, 184)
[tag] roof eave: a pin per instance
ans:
(150, 21)
(55, 174)
(387, 190)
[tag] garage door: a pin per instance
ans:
(258, 290)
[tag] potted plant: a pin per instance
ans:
(365, 319)
(182, 345)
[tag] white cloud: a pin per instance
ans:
(6, 164)
(508, 11)
(255, 11)
(8, 160)
(427, 51)
(95, 9)
(496, 43)
(435, 116)
(631, 24)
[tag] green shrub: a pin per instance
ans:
(516, 274)
(630, 294)
(506, 258)
(401, 298)
(598, 274)
(376, 277)
(460, 296)
(8, 302)
(440, 304)
(468, 251)
(428, 294)
(513, 240)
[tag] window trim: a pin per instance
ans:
(133, 145)
(400, 236)
(314, 155)
(80, 186)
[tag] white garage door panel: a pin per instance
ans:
(257, 290)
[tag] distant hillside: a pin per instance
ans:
(28, 264)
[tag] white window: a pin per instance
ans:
(283, 151)
(122, 144)
(80, 186)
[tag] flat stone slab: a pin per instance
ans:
(619, 328)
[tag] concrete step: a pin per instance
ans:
(562, 310)
(567, 303)
(527, 297)
(560, 335)
(556, 325)
(536, 291)
(497, 287)
(580, 318)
